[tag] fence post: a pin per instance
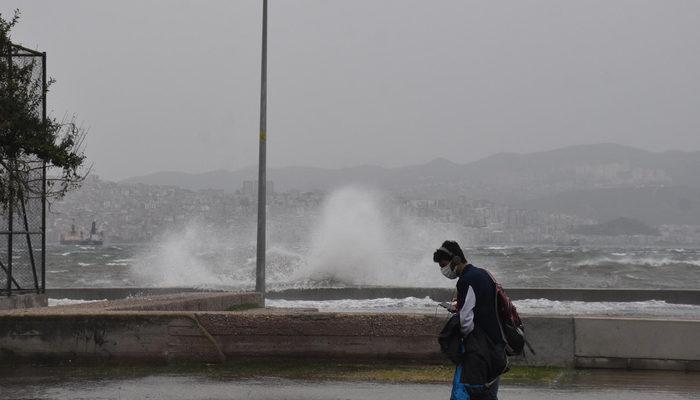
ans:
(43, 179)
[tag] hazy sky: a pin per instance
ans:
(174, 85)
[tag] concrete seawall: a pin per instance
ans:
(23, 301)
(677, 296)
(192, 327)
(637, 343)
(71, 338)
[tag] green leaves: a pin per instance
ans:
(28, 138)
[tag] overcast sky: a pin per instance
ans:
(174, 85)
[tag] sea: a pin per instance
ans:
(135, 265)
(232, 267)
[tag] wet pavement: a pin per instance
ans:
(603, 385)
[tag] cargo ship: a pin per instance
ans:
(74, 237)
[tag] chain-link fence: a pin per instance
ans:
(23, 216)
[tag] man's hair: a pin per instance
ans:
(448, 251)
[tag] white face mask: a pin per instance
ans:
(448, 272)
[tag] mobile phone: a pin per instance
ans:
(445, 305)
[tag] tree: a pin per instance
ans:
(28, 139)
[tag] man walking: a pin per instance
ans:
(484, 358)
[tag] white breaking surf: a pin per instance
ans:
(653, 308)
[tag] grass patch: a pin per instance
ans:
(294, 369)
(374, 372)
(535, 375)
(330, 370)
(242, 307)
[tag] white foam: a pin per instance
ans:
(645, 261)
(408, 304)
(68, 302)
(524, 307)
(104, 283)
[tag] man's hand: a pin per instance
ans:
(451, 307)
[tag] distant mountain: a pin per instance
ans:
(220, 179)
(584, 167)
(600, 181)
(300, 178)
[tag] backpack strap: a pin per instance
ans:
(496, 284)
(495, 307)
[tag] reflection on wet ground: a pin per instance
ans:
(53, 383)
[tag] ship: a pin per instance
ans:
(74, 237)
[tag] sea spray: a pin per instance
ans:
(347, 243)
(208, 257)
(414, 242)
(358, 238)
(359, 241)
(195, 256)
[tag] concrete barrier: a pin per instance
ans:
(637, 343)
(112, 293)
(192, 326)
(22, 301)
(334, 336)
(678, 296)
(215, 336)
(207, 301)
(552, 338)
(149, 328)
(135, 338)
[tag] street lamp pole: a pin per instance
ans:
(260, 264)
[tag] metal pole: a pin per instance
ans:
(260, 265)
(30, 248)
(10, 211)
(43, 180)
(10, 165)
(2, 266)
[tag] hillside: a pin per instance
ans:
(601, 181)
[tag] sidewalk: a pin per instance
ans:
(230, 382)
(187, 387)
